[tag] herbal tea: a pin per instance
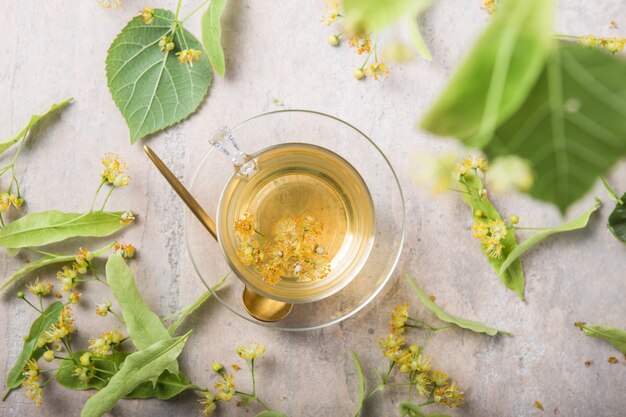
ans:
(301, 226)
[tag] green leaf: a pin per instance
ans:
(414, 410)
(30, 350)
(498, 74)
(45, 261)
(52, 226)
(418, 40)
(449, 318)
(168, 385)
(185, 312)
(361, 380)
(212, 33)
(144, 327)
(616, 337)
(271, 413)
(572, 127)
(578, 223)
(7, 143)
(617, 220)
(513, 276)
(139, 367)
(151, 88)
(376, 14)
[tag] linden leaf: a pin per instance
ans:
(449, 318)
(52, 226)
(497, 75)
(410, 409)
(7, 143)
(212, 33)
(139, 367)
(376, 14)
(361, 381)
(144, 327)
(150, 87)
(617, 220)
(30, 349)
(45, 261)
(572, 126)
(616, 337)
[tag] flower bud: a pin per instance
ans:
(514, 219)
(170, 46)
(413, 348)
(333, 40)
(74, 298)
(20, 294)
(85, 359)
(217, 367)
(358, 74)
(48, 355)
(479, 213)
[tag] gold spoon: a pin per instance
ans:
(259, 307)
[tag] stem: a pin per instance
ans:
(426, 403)
(30, 304)
(253, 380)
(194, 11)
(116, 316)
(611, 192)
(93, 202)
(107, 197)
(177, 10)
(563, 35)
(43, 253)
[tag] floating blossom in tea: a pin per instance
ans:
(294, 252)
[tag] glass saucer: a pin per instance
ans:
(356, 148)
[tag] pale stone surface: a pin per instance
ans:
(53, 49)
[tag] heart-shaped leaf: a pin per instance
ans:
(572, 127)
(150, 87)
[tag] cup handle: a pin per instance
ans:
(224, 141)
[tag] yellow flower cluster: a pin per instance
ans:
(188, 56)
(32, 384)
(612, 45)
(60, 330)
(490, 6)
(332, 12)
(40, 289)
(106, 343)
(361, 42)
(225, 389)
(166, 44)
(294, 251)
(471, 163)
(110, 4)
(85, 369)
(103, 308)
(251, 351)
(208, 402)
(491, 233)
(415, 364)
(114, 171)
(125, 249)
(7, 200)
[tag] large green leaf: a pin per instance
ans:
(616, 337)
(7, 143)
(150, 87)
(617, 220)
(572, 126)
(497, 75)
(139, 367)
(513, 276)
(212, 34)
(52, 226)
(168, 385)
(578, 223)
(361, 381)
(45, 261)
(376, 14)
(144, 327)
(449, 318)
(30, 349)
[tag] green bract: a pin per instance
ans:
(150, 87)
(144, 327)
(449, 318)
(45, 261)
(139, 367)
(271, 413)
(497, 75)
(617, 220)
(7, 143)
(578, 223)
(616, 337)
(52, 226)
(361, 380)
(30, 349)
(376, 14)
(212, 33)
(572, 126)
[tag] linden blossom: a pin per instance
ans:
(295, 250)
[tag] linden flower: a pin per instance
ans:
(188, 56)
(66, 321)
(491, 234)
(126, 250)
(147, 16)
(110, 4)
(31, 369)
(127, 217)
(106, 343)
(439, 378)
(399, 317)
(6, 200)
(208, 402)
(423, 384)
(251, 351)
(490, 6)
(83, 257)
(362, 43)
(332, 12)
(68, 276)
(244, 226)
(114, 169)
(40, 289)
(449, 395)
(103, 309)
(225, 388)
(510, 172)
(33, 390)
(83, 373)
(392, 347)
(377, 70)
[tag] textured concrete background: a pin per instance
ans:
(53, 49)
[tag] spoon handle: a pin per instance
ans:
(182, 192)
